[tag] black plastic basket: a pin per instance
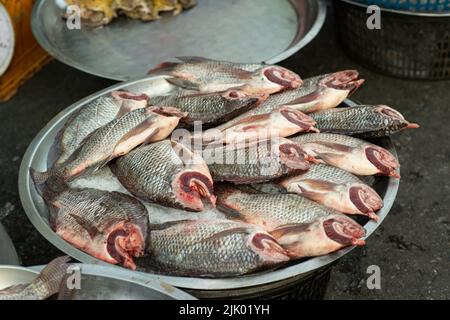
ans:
(409, 44)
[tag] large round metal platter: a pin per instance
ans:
(37, 155)
(101, 282)
(240, 31)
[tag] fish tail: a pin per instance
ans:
(48, 184)
(163, 68)
(54, 273)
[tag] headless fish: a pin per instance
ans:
(205, 75)
(348, 153)
(364, 121)
(336, 189)
(213, 248)
(167, 173)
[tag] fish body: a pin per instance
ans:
(349, 153)
(46, 284)
(282, 122)
(92, 116)
(316, 93)
(322, 236)
(110, 226)
(114, 139)
(212, 108)
(207, 75)
(336, 189)
(268, 211)
(213, 248)
(257, 161)
(366, 121)
(160, 173)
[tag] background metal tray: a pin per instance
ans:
(102, 282)
(240, 31)
(36, 156)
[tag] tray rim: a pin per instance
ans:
(262, 278)
(112, 273)
(44, 43)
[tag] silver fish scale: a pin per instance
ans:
(280, 209)
(332, 174)
(101, 143)
(89, 118)
(205, 108)
(210, 72)
(101, 209)
(248, 163)
(278, 99)
(147, 172)
(187, 247)
(329, 137)
(360, 119)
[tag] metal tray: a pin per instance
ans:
(36, 157)
(241, 31)
(8, 254)
(102, 283)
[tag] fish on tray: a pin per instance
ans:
(267, 210)
(316, 93)
(166, 173)
(365, 121)
(282, 122)
(212, 248)
(211, 108)
(349, 153)
(46, 284)
(336, 189)
(114, 139)
(255, 161)
(110, 226)
(206, 75)
(92, 116)
(323, 236)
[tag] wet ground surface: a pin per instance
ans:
(411, 248)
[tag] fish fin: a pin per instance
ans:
(90, 229)
(165, 67)
(168, 224)
(144, 132)
(183, 83)
(226, 233)
(319, 185)
(328, 157)
(336, 146)
(193, 59)
(308, 98)
(230, 212)
(289, 229)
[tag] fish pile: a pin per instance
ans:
(101, 12)
(282, 169)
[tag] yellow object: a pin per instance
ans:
(28, 56)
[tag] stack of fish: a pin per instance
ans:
(267, 128)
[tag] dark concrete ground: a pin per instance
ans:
(412, 247)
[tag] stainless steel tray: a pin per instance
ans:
(36, 157)
(102, 282)
(241, 31)
(8, 254)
